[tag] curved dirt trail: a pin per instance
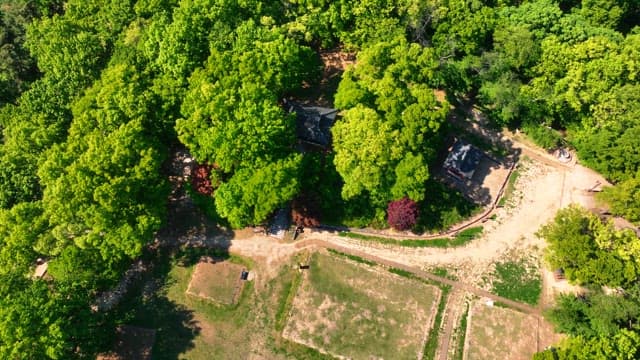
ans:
(246, 247)
(545, 186)
(543, 189)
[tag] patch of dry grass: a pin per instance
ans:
(362, 312)
(216, 281)
(500, 333)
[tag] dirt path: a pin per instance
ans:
(450, 318)
(513, 228)
(248, 248)
(545, 185)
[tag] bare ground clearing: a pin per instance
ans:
(338, 312)
(541, 190)
(217, 281)
(544, 186)
(500, 333)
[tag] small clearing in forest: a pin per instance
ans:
(217, 281)
(338, 310)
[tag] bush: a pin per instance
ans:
(201, 180)
(402, 214)
(543, 136)
(305, 211)
(443, 207)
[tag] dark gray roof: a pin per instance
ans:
(313, 123)
(463, 159)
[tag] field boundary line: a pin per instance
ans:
(526, 308)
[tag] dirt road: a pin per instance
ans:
(545, 185)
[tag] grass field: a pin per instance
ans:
(190, 327)
(361, 312)
(500, 333)
(461, 239)
(518, 280)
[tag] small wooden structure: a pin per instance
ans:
(41, 268)
(558, 274)
(462, 160)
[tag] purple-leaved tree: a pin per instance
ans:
(402, 214)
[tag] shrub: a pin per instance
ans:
(201, 179)
(305, 211)
(543, 136)
(402, 214)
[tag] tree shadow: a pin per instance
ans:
(192, 219)
(175, 325)
(442, 207)
(331, 64)
(189, 234)
(147, 305)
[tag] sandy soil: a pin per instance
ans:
(545, 185)
(500, 333)
(216, 281)
(312, 324)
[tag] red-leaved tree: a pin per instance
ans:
(305, 210)
(201, 179)
(402, 214)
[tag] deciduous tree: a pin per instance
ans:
(253, 193)
(402, 214)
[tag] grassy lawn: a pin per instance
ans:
(431, 345)
(216, 281)
(339, 311)
(189, 327)
(462, 238)
(519, 281)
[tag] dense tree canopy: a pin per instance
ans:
(590, 251)
(386, 138)
(94, 94)
(625, 345)
(593, 253)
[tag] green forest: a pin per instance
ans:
(94, 95)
